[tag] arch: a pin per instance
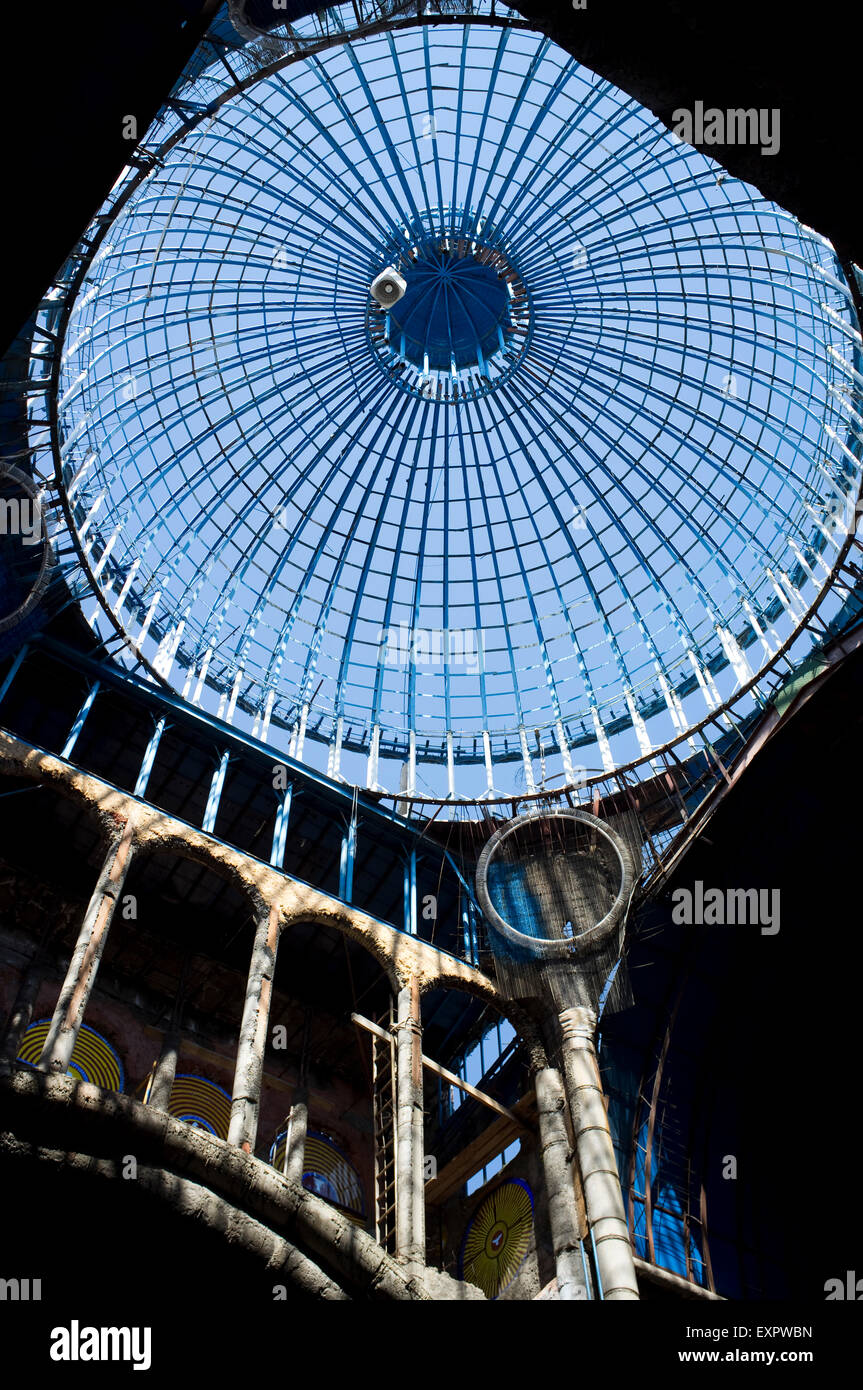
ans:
(323, 975)
(28, 764)
(376, 938)
(153, 840)
(516, 1012)
(94, 1132)
(176, 961)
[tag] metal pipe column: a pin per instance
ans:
(410, 1186)
(83, 967)
(600, 1179)
(245, 1101)
(560, 1191)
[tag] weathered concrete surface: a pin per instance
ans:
(245, 1105)
(410, 1194)
(598, 1165)
(399, 955)
(557, 1171)
(56, 1118)
(83, 967)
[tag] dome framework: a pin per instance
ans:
(573, 543)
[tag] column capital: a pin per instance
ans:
(578, 1026)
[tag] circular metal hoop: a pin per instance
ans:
(547, 947)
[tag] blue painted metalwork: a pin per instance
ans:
(465, 306)
(150, 757)
(410, 893)
(14, 668)
(328, 796)
(215, 795)
(595, 1263)
(79, 721)
(348, 858)
(573, 489)
(470, 939)
(201, 721)
(280, 830)
(465, 928)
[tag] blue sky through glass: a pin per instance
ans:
(614, 536)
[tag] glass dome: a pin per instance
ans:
(579, 484)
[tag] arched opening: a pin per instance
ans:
(320, 1109)
(173, 978)
(52, 848)
(480, 1133)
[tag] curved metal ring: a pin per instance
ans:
(547, 947)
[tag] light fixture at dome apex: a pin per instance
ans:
(388, 287)
(463, 316)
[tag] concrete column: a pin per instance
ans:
(599, 1176)
(295, 1142)
(557, 1171)
(166, 1069)
(84, 965)
(298, 1119)
(245, 1102)
(410, 1187)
